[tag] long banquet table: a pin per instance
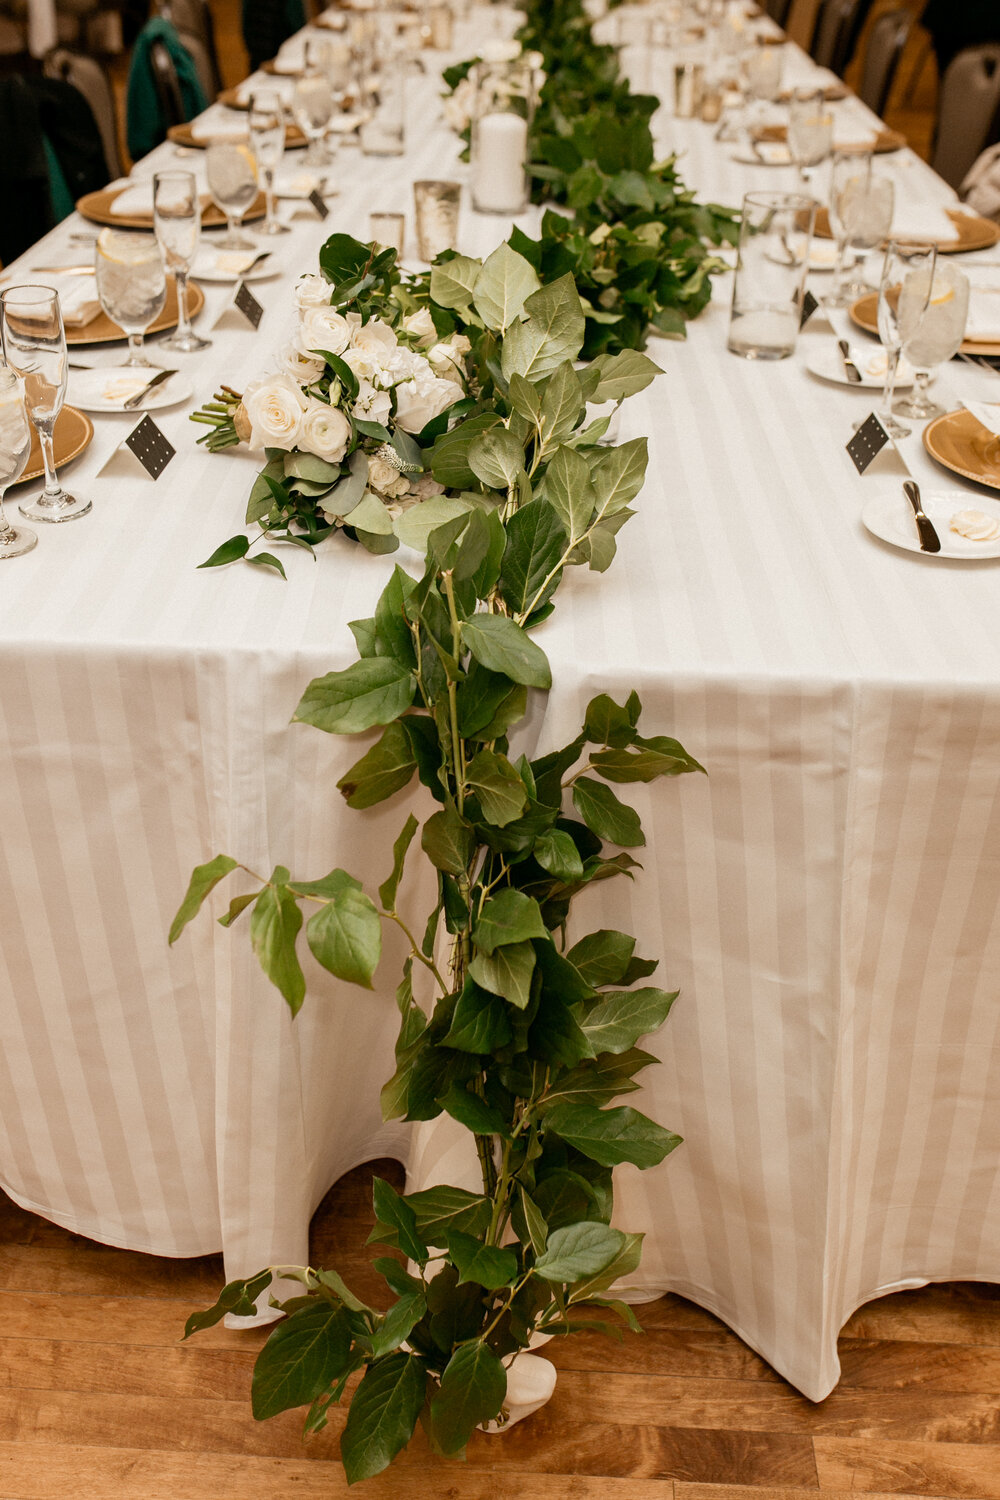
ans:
(826, 899)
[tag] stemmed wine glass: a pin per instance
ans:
(232, 182)
(312, 106)
(763, 71)
(266, 121)
(132, 286)
(15, 445)
(933, 307)
(861, 208)
(34, 345)
(810, 130)
(898, 260)
(177, 221)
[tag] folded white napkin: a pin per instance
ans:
(77, 298)
(986, 412)
(137, 199)
(213, 262)
(983, 323)
(283, 87)
(921, 221)
(220, 124)
(293, 181)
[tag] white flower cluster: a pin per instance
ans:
(283, 413)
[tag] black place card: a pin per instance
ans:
(809, 306)
(316, 199)
(248, 305)
(150, 447)
(869, 440)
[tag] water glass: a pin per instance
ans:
(861, 206)
(898, 260)
(232, 182)
(387, 230)
(810, 130)
(131, 284)
(177, 221)
(764, 66)
(34, 346)
(385, 133)
(775, 235)
(933, 307)
(266, 123)
(15, 445)
(436, 205)
(312, 106)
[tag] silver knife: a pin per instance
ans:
(158, 379)
(850, 368)
(929, 539)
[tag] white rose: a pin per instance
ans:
(500, 52)
(368, 369)
(325, 432)
(322, 328)
(458, 107)
(312, 291)
(386, 479)
(374, 338)
(372, 405)
(274, 406)
(420, 324)
(424, 486)
(418, 403)
(447, 356)
(304, 368)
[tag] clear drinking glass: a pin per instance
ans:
(132, 285)
(385, 133)
(177, 221)
(436, 207)
(15, 445)
(933, 307)
(775, 235)
(312, 106)
(861, 206)
(810, 131)
(896, 264)
(232, 182)
(34, 345)
(266, 122)
(764, 67)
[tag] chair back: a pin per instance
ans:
(834, 17)
(193, 20)
(778, 10)
(92, 81)
(968, 111)
(167, 84)
(886, 41)
(202, 59)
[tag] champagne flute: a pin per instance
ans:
(232, 182)
(34, 345)
(860, 216)
(312, 106)
(933, 307)
(898, 260)
(177, 221)
(266, 121)
(132, 286)
(763, 71)
(15, 445)
(810, 130)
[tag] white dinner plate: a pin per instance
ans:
(772, 154)
(822, 255)
(826, 362)
(889, 515)
(224, 265)
(106, 390)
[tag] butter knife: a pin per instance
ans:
(158, 379)
(929, 539)
(850, 368)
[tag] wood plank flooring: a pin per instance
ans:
(99, 1400)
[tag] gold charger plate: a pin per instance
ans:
(832, 92)
(960, 443)
(102, 331)
(72, 434)
(864, 313)
(973, 233)
(97, 208)
(183, 135)
(885, 141)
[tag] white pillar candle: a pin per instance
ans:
(501, 150)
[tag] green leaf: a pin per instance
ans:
(363, 632)
(534, 1222)
(274, 926)
(556, 852)
(415, 525)
(387, 890)
(450, 454)
(508, 917)
(396, 1222)
(611, 1136)
(237, 906)
(605, 815)
(238, 1297)
(453, 281)
(472, 1390)
(623, 375)
(496, 457)
(337, 1284)
(304, 1356)
(440, 1209)
(569, 491)
(525, 399)
(371, 517)
(448, 841)
(345, 936)
(473, 1112)
(500, 790)
(578, 1251)
(502, 646)
(480, 1023)
(637, 765)
(603, 957)
(504, 283)
(536, 546)
(346, 496)
(301, 465)
(599, 1080)
(398, 1323)
(507, 971)
(330, 885)
(608, 723)
(203, 880)
(230, 551)
(617, 1021)
(267, 560)
(371, 691)
(381, 771)
(562, 406)
(553, 332)
(624, 1263)
(393, 634)
(618, 475)
(486, 1265)
(382, 1416)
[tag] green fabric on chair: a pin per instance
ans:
(146, 126)
(59, 193)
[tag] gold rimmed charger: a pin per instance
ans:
(101, 330)
(959, 442)
(882, 143)
(183, 135)
(71, 435)
(97, 208)
(973, 233)
(864, 313)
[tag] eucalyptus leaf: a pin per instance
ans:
(504, 283)
(453, 282)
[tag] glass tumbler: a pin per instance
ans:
(15, 445)
(769, 285)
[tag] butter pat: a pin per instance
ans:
(975, 525)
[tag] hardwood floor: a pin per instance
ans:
(99, 1400)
